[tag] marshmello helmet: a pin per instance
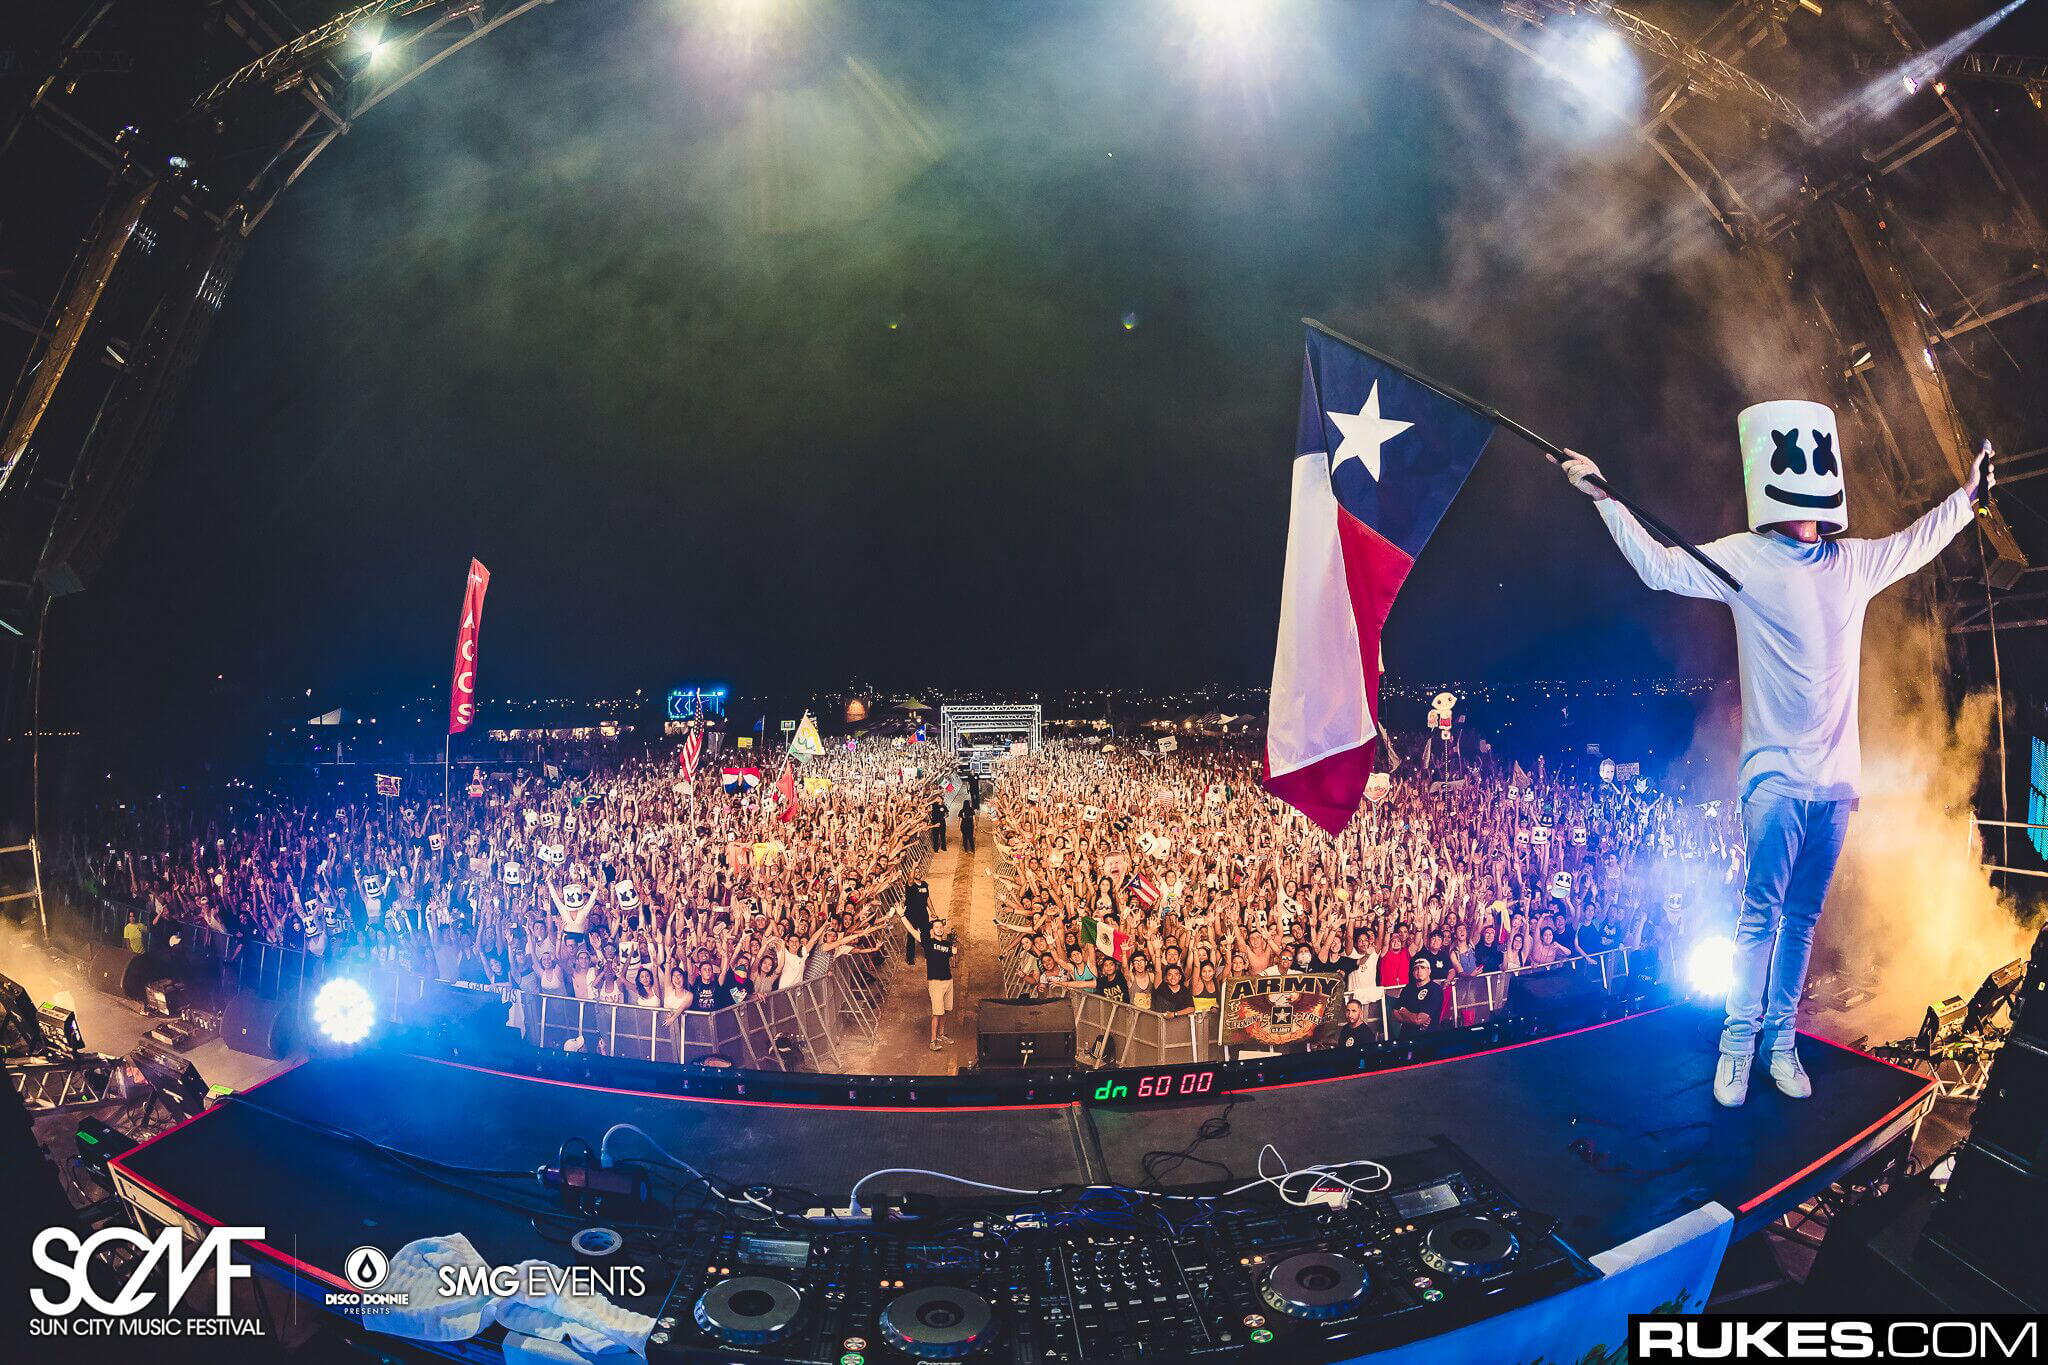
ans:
(1792, 464)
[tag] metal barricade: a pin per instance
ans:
(642, 1031)
(1117, 1033)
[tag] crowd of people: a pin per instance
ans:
(1154, 877)
(631, 883)
(1141, 876)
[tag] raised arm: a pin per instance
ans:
(1661, 567)
(1880, 563)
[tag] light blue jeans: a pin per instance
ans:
(1792, 846)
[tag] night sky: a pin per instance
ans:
(802, 357)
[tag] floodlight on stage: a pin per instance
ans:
(1710, 966)
(1604, 45)
(1593, 60)
(344, 1011)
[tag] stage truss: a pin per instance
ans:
(1790, 200)
(1016, 721)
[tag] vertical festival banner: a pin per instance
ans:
(462, 697)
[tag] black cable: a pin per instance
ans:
(424, 1166)
(1158, 1165)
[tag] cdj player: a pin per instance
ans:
(1248, 1277)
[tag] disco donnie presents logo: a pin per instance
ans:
(68, 1262)
(366, 1268)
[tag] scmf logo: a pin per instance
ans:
(167, 1248)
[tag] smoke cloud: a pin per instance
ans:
(1562, 237)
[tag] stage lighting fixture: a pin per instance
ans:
(60, 1027)
(344, 1011)
(1710, 966)
(1605, 45)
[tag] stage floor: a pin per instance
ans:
(1611, 1128)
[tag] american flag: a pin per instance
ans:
(693, 749)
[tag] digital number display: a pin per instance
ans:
(1428, 1199)
(1170, 1085)
(775, 1251)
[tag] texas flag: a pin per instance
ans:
(1378, 456)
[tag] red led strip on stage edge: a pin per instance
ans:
(1917, 1097)
(160, 1192)
(855, 1106)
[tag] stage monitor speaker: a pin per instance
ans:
(1990, 1219)
(2012, 1115)
(258, 1027)
(116, 971)
(2030, 1001)
(1025, 1032)
(21, 1026)
(1559, 999)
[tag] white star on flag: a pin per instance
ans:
(1369, 430)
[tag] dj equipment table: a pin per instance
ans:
(1605, 1136)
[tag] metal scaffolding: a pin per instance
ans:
(958, 721)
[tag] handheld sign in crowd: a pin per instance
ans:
(1274, 1011)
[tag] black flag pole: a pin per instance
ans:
(1556, 453)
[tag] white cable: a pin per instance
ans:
(1322, 1172)
(1378, 1180)
(853, 1195)
(604, 1159)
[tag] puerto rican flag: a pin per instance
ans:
(1378, 456)
(1141, 889)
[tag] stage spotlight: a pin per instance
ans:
(1604, 45)
(1595, 62)
(1710, 966)
(344, 1011)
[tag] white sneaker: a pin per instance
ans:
(1731, 1081)
(1789, 1076)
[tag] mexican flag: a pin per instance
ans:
(1105, 938)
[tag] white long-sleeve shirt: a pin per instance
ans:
(1798, 635)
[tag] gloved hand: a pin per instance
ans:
(1577, 469)
(1982, 476)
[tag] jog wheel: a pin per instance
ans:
(1475, 1248)
(749, 1310)
(1313, 1285)
(939, 1322)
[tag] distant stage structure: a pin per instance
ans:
(979, 735)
